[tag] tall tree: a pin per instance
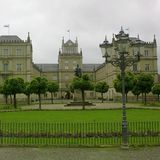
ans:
(52, 87)
(144, 83)
(4, 89)
(101, 87)
(39, 86)
(156, 89)
(82, 83)
(129, 83)
(27, 91)
(15, 86)
(136, 91)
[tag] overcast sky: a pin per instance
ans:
(48, 21)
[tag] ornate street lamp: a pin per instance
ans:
(120, 54)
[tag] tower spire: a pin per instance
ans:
(28, 38)
(154, 40)
(76, 40)
(62, 40)
(121, 28)
(105, 37)
(113, 39)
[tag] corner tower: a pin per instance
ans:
(15, 57)
(69, 57)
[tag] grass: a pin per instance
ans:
(75, 116)
(80, 116)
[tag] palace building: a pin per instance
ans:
(16, 61)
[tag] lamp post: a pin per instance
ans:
(121, 57)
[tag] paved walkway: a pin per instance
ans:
(146, 153)
(96, 106)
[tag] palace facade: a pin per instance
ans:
(16, 61)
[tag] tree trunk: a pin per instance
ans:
(102, 97)
(10, 98)
(137, 97)
(28, 97)
(83, 100)
(14, 101)
(142, 98)
(6, 99)
(145, 98)
(52, 97)
(39, 97)
(158, 97)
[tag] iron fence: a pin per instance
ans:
(78, 134)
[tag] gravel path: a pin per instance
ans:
(96, 106)
(146, 153)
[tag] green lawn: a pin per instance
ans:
(80, 116)
(71, 134)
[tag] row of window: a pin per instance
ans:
(146, 67)
(74, 62)
(6, 67)
(146, 53)
(6, 51)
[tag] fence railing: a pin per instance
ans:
(78, 134)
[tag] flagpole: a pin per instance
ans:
(7, 26)
(68, 33)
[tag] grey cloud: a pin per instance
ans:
(49, 20)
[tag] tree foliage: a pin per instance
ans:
(5, 90)
(14, 86)
(82, 83)
(39, 86)
(144, 83)
(52, 87)
(27, 91)
(129, 83)
(136, 91)
(101, 87)
(156, 89)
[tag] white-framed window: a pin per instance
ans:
(147, 67)
(54, 78)
(66, 67)
(66, 62)
(18, 51)
(66, 77)
(135, 68)
(74, 62)
(146, 53)
(19, 67)
(6, 51)
(5, 67)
